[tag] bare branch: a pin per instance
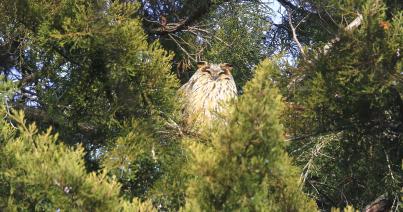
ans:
(382, 203)
(294, 33)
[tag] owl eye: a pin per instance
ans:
(207, 70)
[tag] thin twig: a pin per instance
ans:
(182, 40)
(193, 29)
(389, 167)
(316, 151)
(180, 46)
(8, 111)
(302, 20)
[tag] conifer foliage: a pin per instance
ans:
(86, 67)
(38, 173)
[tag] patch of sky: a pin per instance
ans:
(15, 74)
(65, 70)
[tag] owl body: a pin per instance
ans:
(207, 92)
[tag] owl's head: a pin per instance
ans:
(215, 72)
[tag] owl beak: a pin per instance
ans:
(214, 76)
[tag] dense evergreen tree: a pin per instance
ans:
(346, 109)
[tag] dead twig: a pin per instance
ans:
(183, 49)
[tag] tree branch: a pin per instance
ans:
(353, 25)
(167, 28)
(294, 33)
(171, 27)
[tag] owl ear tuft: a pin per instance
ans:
(201, 64)
(226, 66)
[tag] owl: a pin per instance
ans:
(206, 93)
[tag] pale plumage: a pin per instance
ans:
(206, 93)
